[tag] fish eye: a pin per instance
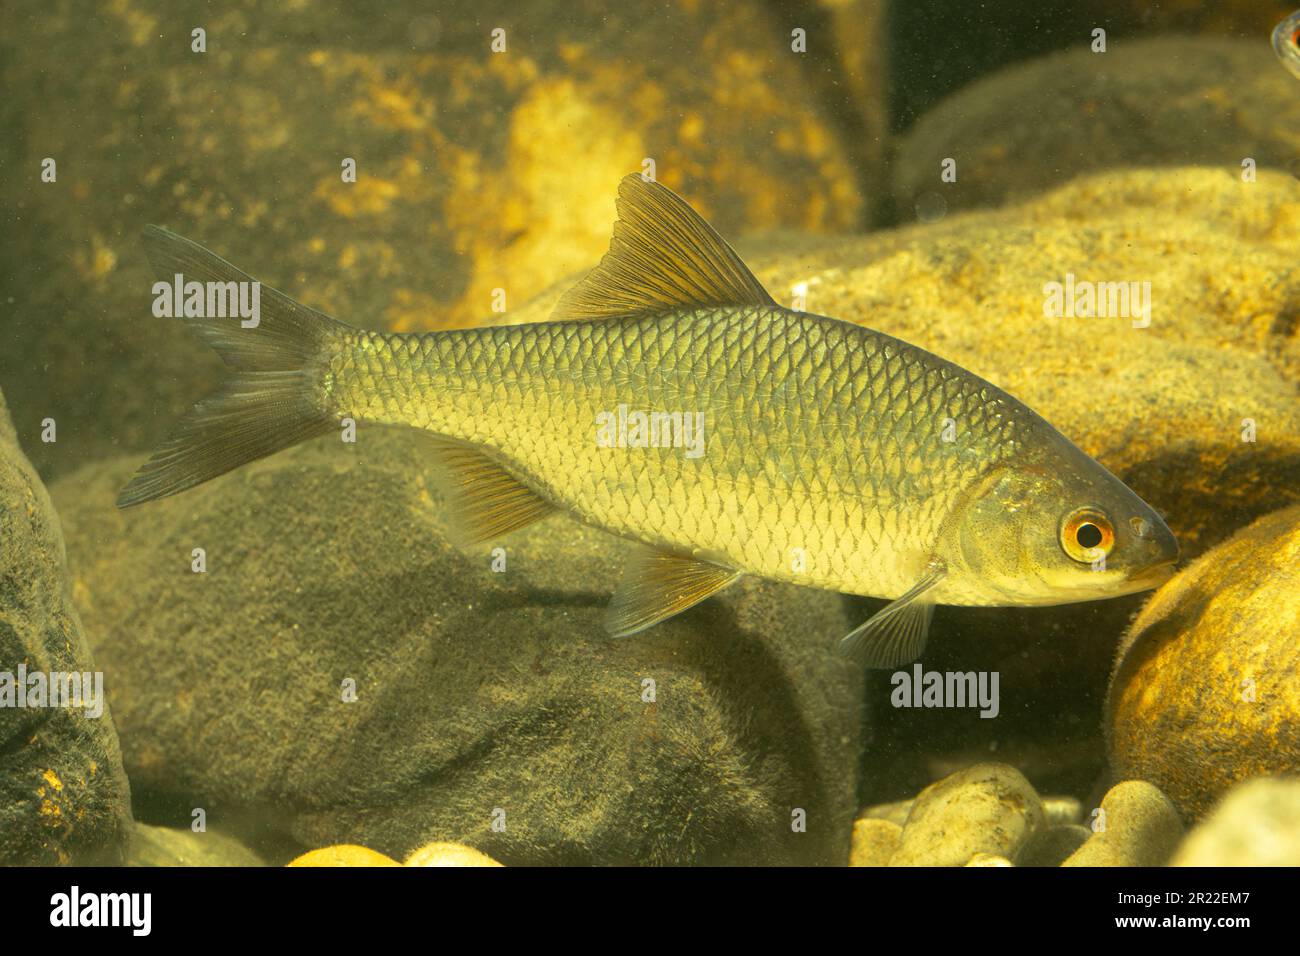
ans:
(1087, 535)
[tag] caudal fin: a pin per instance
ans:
(271, 399)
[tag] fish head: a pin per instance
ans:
(1057, 529)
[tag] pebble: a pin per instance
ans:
(344, 854)
(987, 808)
(449, 854)
(1138, 826)
(875, 841)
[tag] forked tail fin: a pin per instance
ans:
(273, 397)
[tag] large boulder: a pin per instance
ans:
(341, 675)
(63, 794)
(1206, 688)
(1170, 101)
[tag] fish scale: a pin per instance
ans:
(858, 461)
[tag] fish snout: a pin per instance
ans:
(1156, 550)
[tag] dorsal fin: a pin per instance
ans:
(663, 256)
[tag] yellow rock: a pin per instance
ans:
(895, 812)
(1207, 688)
(449, 854)
(344, 854)
(1137, 826)
(988, 808)
(1257, 824)
(874, 841)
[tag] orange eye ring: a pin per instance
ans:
(1087, 535)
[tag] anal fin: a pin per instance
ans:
(896, 634)
(658, 585)
(484, 501)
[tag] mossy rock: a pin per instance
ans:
(1206, 690)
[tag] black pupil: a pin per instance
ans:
(1088, 535)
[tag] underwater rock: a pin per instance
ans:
(1206, 690)
(343, 855)
(167, 846)
(1137, 826)
(895, 812)
(875, 841)
(476, 170)
(988, 859)
(1256, 824)
(64, 797)
(449, 854)
(1052, 844)
(1157, 102)
(988, 808)
(345, 673)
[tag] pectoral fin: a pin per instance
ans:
(896, 634)
(657, 584)
(484, 501)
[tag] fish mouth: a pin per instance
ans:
(1153, 576)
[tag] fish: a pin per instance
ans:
(1285, 37)
(830, 455)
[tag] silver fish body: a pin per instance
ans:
(833, 454)
(792, 446)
